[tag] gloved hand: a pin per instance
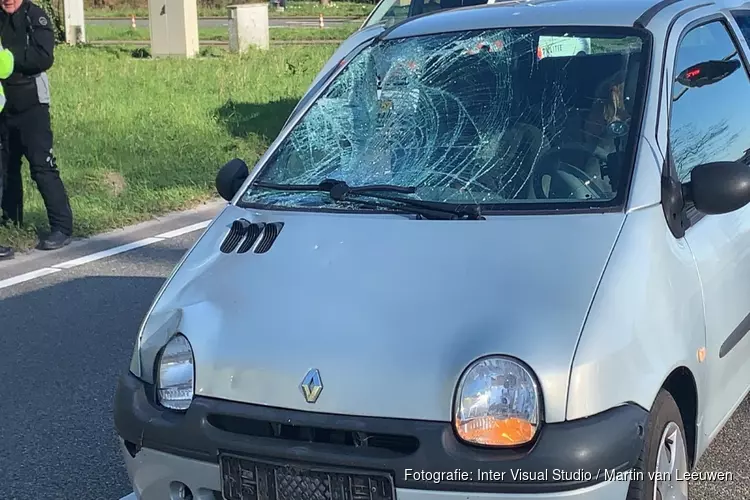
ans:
(7, 63)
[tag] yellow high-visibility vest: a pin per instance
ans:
(6, 69)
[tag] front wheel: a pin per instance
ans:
(663, 462)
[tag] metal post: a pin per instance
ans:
(75, 26)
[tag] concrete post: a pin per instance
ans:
(174, 28)
(75, 27)
(248, 26)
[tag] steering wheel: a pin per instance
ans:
(558, 165)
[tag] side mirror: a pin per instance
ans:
(706, 73)
(719, 188)
(230, 178)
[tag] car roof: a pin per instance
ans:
(520, 13)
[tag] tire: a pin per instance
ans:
(664, 415)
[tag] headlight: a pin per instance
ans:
(176, 374)
(497, 403)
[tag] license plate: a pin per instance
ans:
(251, 479)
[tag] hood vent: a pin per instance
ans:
(270, 233)
(253, 232)
(236, 232)
(248, 234)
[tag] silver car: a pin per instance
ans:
(467, 269)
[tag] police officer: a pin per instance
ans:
(26, 30)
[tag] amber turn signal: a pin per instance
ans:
(493, 431)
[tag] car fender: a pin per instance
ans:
(646, 319)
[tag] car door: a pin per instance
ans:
(709, 124)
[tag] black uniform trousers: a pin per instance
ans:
(3, 172)
(29, 134)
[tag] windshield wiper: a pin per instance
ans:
(341, 191)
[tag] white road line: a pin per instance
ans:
(21, 278)
(86, 259)
(184, 230)
(106, 253)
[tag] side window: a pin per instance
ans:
(743, 21)
(709, 122)
(390, 12)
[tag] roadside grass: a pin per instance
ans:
(293, 9)
(136, 138)
(338, 32)
(99, 32)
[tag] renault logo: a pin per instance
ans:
(311, 386)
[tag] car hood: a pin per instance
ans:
(389, 309)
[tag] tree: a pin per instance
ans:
(55, 11)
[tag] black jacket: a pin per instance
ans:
(28, 34)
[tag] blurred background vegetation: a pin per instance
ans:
(206, 4)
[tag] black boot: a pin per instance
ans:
(55, 240)
(6, 253)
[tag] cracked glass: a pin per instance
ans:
(502, 118)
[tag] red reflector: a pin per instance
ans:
(693, 73)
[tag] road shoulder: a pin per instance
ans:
(82, 248)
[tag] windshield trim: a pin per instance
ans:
(616, 204)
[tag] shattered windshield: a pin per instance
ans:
(492, 118)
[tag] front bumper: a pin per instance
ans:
(153, 474)
(567, 460)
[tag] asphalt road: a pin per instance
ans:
(290, 22)
(65, 338)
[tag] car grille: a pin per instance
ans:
(402, 445)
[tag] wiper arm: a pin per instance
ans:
(341, 191)
(429, 209)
